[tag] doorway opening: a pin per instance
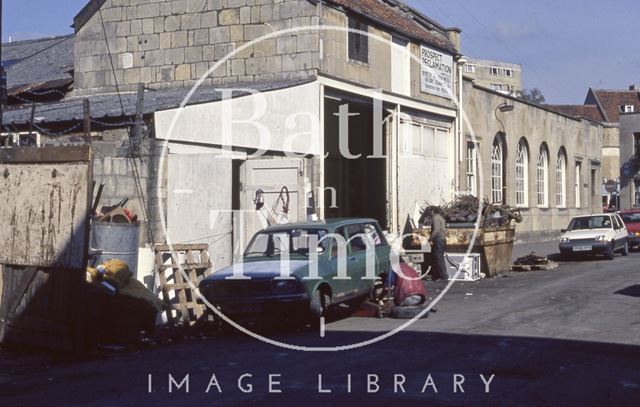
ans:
(354, 187)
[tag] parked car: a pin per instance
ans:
(595, 234)
(263, 291)
(631, 219)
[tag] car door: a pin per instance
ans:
(341, 288)
(357, 260)
(621, 231)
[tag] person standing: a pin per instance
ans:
(438, 242)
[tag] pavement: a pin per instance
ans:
(569, 336)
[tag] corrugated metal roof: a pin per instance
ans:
(108, 105)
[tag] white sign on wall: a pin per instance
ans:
(436, 72)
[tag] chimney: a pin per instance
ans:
(454, 36)
(633, 87)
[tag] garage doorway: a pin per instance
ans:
(354, 187)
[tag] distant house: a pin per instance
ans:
(503, 77)
(617, 110)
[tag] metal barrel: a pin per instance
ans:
(116, 241)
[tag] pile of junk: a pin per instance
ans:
(120, 305)
(486, 229)
(465, 210)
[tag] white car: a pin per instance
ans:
(595, 234)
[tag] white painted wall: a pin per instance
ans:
(282, 120)
(198, 202)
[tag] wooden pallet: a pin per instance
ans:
(176, 292)
(552, 265)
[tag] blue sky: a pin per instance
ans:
(565, 46)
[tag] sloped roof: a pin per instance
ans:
(401, 18)
(590, 112)
(106, 106)
(38, 61)
(611, 100)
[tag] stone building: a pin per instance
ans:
(390, 85)
(608, 107)
(500, 76)
(337, 108)
(528, 156)
(630, 160)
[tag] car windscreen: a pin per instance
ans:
(290, 241)
(591, 222)
(631, 217)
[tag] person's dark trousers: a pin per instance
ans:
(439, 266)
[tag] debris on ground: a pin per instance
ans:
(118, 307)
(533, 262)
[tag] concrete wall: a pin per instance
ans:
(118, 172)
(630, 165)
(173, 43)
(582, 141)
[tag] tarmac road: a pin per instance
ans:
(570, 336)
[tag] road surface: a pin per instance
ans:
(570, 336)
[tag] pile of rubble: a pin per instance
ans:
(533, 262)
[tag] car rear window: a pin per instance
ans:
(631, 217)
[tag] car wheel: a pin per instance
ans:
(625, 249)
(611, 251)
(319, 304)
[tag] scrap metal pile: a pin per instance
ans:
(465, 210)
(533, 262)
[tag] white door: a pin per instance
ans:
(271, 177)
(400, 67)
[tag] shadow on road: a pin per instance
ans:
(631, 291)
(527, 371)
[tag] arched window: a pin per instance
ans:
(543, 177)
(561, 180)
(522, 171)
(497, 156)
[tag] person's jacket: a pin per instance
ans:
(438, 227)
(408, 283)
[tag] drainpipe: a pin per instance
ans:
(460, 124)
(396, 170)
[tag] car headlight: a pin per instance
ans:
(600, 238)
(285, 286)
(564, 240)
(638, 234)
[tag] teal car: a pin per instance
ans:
(302, 269)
